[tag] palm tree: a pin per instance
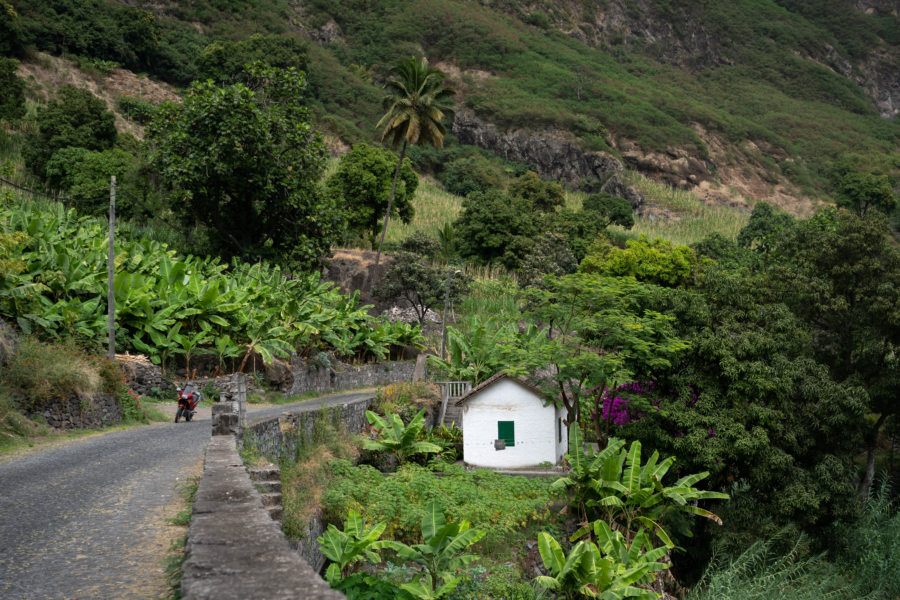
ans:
(415, 105)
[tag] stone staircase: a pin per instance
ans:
(267, 480)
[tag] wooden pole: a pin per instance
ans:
(444, 315)
(111, 270)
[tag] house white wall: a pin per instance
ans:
(536, 429)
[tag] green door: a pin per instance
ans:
(506, 430)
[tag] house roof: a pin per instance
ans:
(492, 380)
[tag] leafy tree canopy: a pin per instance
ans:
(551, 256)
(421, 284)
(611, 209)
(9, 29)
(655, 261)
(224, 60)
(76, 118)
(766, 222)
(750, 404)
(861, 192)
(84, 174)
(244, 160)
(544, 196)
(362, 185)
(495, 227)
(12, 102)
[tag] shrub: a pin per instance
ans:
(501, 504)
(405, 399)
(40, 373)
(135, 109)
(76, 118)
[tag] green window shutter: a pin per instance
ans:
(506, 430)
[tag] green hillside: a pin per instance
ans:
(766, 82)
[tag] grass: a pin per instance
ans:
(174, 562)
(304, 480)
(678, 216)
(434, 207)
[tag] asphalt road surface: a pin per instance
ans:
(88, 520)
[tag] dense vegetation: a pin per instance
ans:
(762, 364)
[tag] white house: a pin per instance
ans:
(507, 423)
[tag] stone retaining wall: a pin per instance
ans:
(234, 550)
(284, 436)
(310, 377)
(72, 412)
(281, 438)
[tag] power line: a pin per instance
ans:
(49, 197)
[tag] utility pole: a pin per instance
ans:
(111, 270)
(444, 315)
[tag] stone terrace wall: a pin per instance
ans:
(234, 550)
(284, 436)
(342, 376)
(76, 413)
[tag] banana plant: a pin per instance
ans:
(587, 572)
(615, 484)
(399, 439)
(224, 347)
(442, 554)
(352, 545)
(189, 344)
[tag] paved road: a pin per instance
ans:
(88, 520)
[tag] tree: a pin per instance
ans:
(9, 30)
(655, 261)
(544, 196)
(766, 222)
(496, 228)
(840, 273)
(859, 192)
(362, 185)
(599, 331)
(420, 284)
(748, 402)
(12, 102)
(551, 256)
(611, 210)
(416, 103)
(244, 160)
(224, 60)
(76, 118)
(84, 174)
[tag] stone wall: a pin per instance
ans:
(143, 377)
(234, 550)
(72, 412)
(309, 377)
(284, 436)
(281, 438)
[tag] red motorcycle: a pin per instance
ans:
(188, 399)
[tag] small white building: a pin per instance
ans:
(508, 423)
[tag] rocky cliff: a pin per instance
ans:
(683, 34)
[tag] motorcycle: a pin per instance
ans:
(188, 399)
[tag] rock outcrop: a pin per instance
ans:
(551, 152)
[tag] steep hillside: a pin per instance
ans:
(730, 99)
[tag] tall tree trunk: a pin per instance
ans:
(871, 446)
(387, 217)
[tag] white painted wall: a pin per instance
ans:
(535, 427)
(562, 439)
